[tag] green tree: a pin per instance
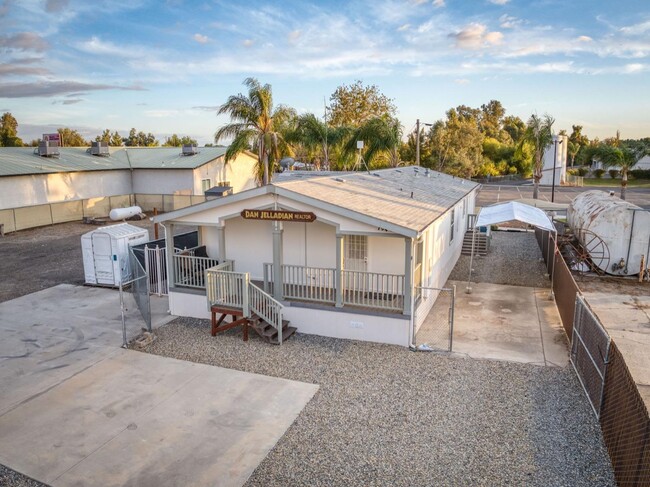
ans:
(538, 136)
(9, 131)
(140, 139)
(515, 127)
(355, 104)
(491, 121)
(112, 139)
(577, 137)
(71, 138)
(572, 151)
(176, 141)
(621, 158)
(382, 139)
(253, 124)
(316, 138)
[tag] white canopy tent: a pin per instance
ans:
(505, 212)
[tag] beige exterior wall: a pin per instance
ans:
(240, 173)
(39, 189)
(163, 181)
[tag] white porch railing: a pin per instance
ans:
(318, 284)
(234, 290)
(267, 308)
(189, 270)
(373, 290)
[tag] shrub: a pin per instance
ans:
(572, 171)
(613, 173)
(640, 173)
(599, 173)
(582, 171)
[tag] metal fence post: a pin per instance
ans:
(451, 317)
(124, 342)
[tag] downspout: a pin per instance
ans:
(412, 346)
(128, 159)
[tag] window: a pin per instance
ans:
(453, 222)
(356, 252)
(205, 185)
(223, 183)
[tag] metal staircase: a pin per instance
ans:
(481, 243)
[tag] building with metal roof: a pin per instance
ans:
(348, 255)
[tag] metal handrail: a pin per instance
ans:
(266, 307)
(189, 270)
(228, 289)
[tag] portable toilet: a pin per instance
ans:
(106, 253)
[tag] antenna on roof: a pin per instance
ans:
(360, 160)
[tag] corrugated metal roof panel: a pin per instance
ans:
(15, 161)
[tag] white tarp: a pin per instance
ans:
(512, 210)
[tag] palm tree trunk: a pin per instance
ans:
(536, 187)
(623, 183)
(265, 160)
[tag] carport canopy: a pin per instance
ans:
(506, 212)
(512, 210)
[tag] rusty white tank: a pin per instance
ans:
(623, 226)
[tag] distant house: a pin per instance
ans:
(76, 175)
(346, 255)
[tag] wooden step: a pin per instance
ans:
(286, 333)
(267, 332)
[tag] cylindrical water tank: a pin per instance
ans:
(124, 213)
(623, 226)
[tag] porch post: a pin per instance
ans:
(408, 274)
(338, 277)
(221, 240)
(278, 286)
(169, 249)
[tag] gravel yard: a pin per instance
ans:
(10, 478)
(513, 258)
(388, 416)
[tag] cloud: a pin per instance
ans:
(52, 6)
(508, 22)
(636, 29)
(403, 27)
(206, 108)
(438, 3)
(67, 102)
(200, 38)
(635, 68)
(461, 81)
(476, 36)
(248, 42)
(9, 69)
(95, 45)
(54, 88)
(499, 2)
(294, 35)
(584, 39)
(24, 41)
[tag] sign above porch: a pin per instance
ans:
(279, 215)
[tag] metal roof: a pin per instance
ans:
(410, 197)
(15, 161)
(513, 210)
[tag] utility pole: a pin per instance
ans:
(417, 142)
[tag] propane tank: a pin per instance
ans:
(124, 213)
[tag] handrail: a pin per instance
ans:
(373, 289)
(266, 307)
(228, 289)
(317, 284)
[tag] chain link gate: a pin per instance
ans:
(435, 325)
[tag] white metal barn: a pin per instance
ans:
(345, 255)
(106, 253)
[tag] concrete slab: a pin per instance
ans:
(75, 406)
(511, 323)
(627, 320)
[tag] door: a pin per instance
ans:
(356, 253)
(103, 253)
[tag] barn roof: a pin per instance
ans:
(16, 161)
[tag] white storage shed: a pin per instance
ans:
(106, 253)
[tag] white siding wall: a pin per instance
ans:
(249, 243)
(309, 244)
(163, 181)
(17, 191)
(386, 255)
(240, 173)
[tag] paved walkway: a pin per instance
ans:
(76, 408)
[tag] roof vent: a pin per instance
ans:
(48, 148)
(189, 150)
(99, 149)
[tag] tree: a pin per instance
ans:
(176, 141)
(621, 158)
(113, 140)
(253, 124)
(491, 121)
(515, 127)
(140, 139)
(9, 131)
(71, 138)
(382, 139)
(538, 136)
(577, 137)
(355, 104)
(572, 151)
(316, 138)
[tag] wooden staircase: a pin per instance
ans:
(481, 243)
(268, 332)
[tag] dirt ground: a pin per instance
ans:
(613, 285)
(38, 258)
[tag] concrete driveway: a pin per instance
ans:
(76, 408)
(512, 323)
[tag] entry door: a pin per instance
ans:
(356, 253)
(103, 253)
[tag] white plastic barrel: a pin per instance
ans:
(124, 213)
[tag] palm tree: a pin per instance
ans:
(316, 136)
(538, 135)
(254, 124)
(383, 139)
(622, 158)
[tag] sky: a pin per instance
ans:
(166, 66)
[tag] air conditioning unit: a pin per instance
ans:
(47, 148)
(189, 150)
(99, 149)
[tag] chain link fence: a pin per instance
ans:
(138, 289)
(436, 328)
